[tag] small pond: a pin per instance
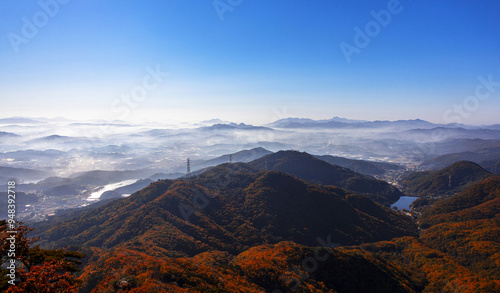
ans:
(404, 202)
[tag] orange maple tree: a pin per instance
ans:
(39, 270)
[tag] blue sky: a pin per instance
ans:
(251, 61)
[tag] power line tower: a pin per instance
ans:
(230, 159)
(188, 166)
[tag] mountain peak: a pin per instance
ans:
(307, 167)
(447, 181)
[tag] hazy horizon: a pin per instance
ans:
(250, 146)
(216, 120)
(251, 61)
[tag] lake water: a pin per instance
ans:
(96, 195)
(404, 202)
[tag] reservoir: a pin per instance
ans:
(404, 202)
(96, 195)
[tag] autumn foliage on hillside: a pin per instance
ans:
(271, 232)
(479, 201)
(282, 267)
(467, 227)
(401, 265)
(187, 217)
(432, 269)
(459, 249)
(37, 270)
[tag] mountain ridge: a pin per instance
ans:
(446, 181)
(242, 212)
(307, 167)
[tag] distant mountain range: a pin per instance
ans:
(487, 157)
(337, 122)
(18, 120)
(52, 138)
(443, 133)
(8, 173)
(305, 121)
(8, 134)
(234, 126)
(214, 121)
(459, 145)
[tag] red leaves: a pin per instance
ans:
(46, 278)
(42, 271)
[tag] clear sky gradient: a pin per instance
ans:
(251, 61)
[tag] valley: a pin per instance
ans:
(312, 211)
(233, 146)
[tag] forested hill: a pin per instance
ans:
(230, 211)
(233, 230)
(446, 181)
(305, 166)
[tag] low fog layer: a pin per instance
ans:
(59, 165)
(66, 147)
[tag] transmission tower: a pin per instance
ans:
(188, 166)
